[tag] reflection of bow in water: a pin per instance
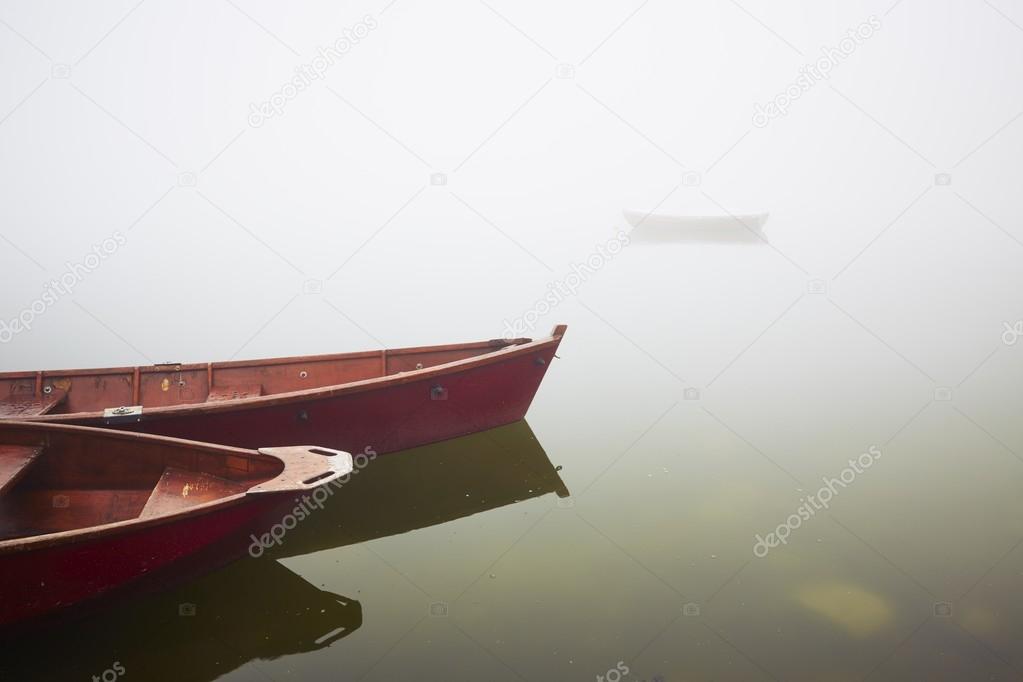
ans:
(426, 486)
(257, 608)
(198, 631)
(260, 609)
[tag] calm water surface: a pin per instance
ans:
(616, 529)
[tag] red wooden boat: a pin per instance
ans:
(385, 400)
(84, 511)
(438, 484)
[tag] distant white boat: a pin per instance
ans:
(724, 227)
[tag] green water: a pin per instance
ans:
(477, 559)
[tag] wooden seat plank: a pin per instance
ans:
(179, 489)
(14, 462)
(24, 513)
(30, 405)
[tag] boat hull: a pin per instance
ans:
(48, 580)
(662, 227)
(386, 417)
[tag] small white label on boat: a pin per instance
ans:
(123, 411)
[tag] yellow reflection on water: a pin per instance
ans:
(854, 609)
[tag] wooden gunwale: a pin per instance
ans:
(498, 355)
(264, 362)
(15, 545)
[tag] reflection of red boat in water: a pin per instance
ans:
(199, 631)
(256, 609)
(387, 399)
(84, 511)
(430, 485)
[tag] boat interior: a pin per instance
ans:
(60, 481)
(32, 394)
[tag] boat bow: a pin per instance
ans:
(305, 467)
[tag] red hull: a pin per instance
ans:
(45, 581)
(85, 512)
(392, 416)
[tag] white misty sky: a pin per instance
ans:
(111, 110)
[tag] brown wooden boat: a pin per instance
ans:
(385, 400)
(84, 511)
